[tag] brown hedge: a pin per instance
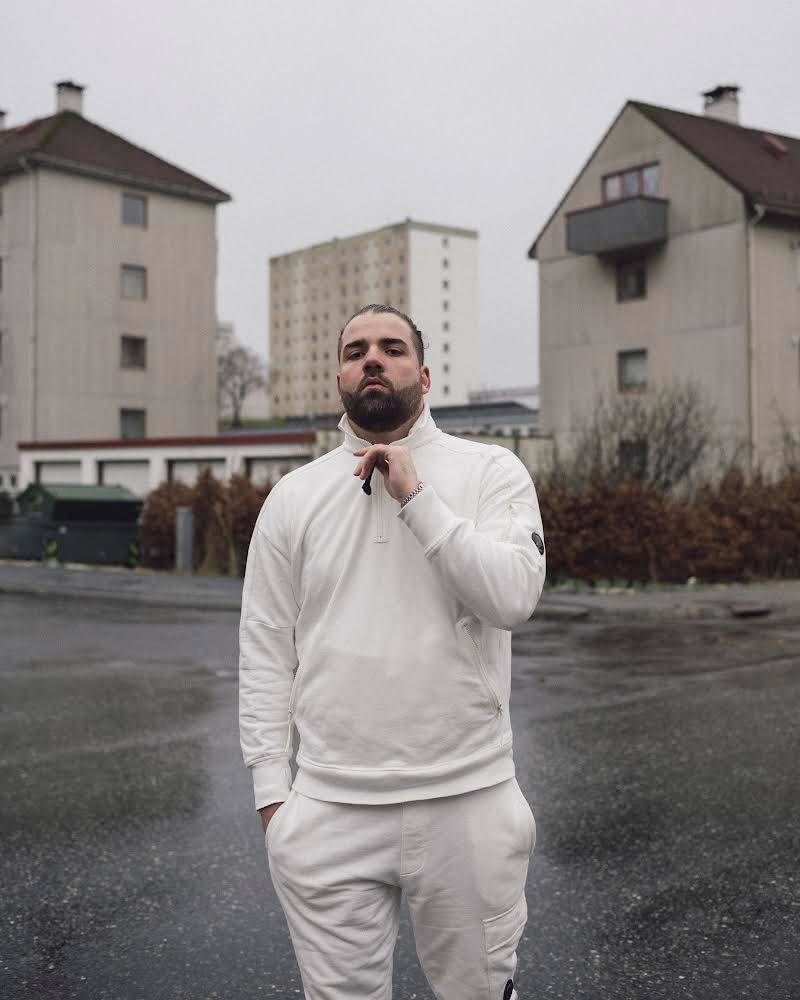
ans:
(738, 529)
(224, 517)
(734, 530)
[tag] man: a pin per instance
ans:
(377, 620)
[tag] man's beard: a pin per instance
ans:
(382, 409)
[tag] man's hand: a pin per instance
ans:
(395, 464)
(268, 812)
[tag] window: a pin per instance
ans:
(632, 371)
(445, 305)
(445, 348)
(134, 281)
(446, 369)
(133, 352)
(1, 274)
(633, 458)
(1, 348)
(446, 390)
(445, 242)
(134, 210)
(445, 325)
(445, 283)
(132, 423)
(631, 279)
(632, 182)
(445, 263)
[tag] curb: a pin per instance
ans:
(551, 611)
(145, 600)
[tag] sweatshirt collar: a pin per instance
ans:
(422, 431)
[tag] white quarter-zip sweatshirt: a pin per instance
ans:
(384, 634)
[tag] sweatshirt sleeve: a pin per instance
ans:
(267, 659)
(495, 565)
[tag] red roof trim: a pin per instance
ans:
(297, 437)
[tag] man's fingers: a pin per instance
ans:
(371, 458)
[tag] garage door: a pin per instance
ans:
(264, 470)
(186, 471)
(58, 472)
(134, 476)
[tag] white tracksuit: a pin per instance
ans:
(383, 635)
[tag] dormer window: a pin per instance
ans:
(631, 183)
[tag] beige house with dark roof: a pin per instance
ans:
(108, 262)
(675, 255)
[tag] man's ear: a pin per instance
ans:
(425, 372)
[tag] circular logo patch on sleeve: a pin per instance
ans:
(537, 541)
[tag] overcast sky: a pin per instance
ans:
(326, 118)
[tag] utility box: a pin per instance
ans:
(66, 523)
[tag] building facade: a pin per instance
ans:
(428, 272)
(674, 258)
(108, 260)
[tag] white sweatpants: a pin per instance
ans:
(339, 870)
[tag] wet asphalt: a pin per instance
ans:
(661, 762)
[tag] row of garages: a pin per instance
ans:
(142, 466)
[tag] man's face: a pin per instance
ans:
(380, 380)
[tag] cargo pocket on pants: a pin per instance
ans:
(501, 936)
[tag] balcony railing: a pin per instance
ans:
(618, 226)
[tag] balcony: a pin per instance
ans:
(618, 226)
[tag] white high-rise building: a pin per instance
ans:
(427, 271)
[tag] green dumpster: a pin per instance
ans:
(67, 523)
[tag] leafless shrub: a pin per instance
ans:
(659, 439)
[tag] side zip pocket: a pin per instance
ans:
(292, 704)
(467, 626)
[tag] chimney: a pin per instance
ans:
(69, 97)
(722, 102)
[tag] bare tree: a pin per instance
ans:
(789, 446)
(660, 438)
(239, 372)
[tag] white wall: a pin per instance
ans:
(143, 468)
(426, 298)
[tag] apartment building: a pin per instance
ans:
(675, 256)
(427, 271)
(108, 260)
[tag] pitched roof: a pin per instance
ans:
(69, 491)
(68, 141)
(764, 166)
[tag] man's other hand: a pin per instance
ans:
(268, 812)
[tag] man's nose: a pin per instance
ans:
(372, 359)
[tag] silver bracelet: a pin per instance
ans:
(411, 495)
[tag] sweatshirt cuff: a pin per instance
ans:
(272, 780)
(429, 518)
